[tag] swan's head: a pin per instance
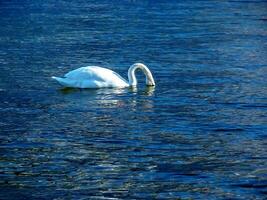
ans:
(150, 81)
(132, 79)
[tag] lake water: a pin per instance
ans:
(201, 133)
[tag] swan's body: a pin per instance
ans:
(99, 77)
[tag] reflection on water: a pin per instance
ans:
(199, 134)
(106, 97)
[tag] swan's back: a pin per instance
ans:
(92, 77)
(89, 72)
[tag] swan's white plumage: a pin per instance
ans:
(92, 77)
(99, 77)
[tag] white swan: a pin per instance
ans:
(99, 77)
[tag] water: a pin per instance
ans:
(199, 134)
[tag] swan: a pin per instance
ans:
(99, 77)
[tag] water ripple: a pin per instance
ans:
(199, 134)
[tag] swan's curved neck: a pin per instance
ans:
(132, 78)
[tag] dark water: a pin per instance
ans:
(201, 133)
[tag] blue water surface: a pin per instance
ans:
(201, 133)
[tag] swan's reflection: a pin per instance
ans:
(108, 97)
(68, 90)
(148, 90)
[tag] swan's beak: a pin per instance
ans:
(151, 83)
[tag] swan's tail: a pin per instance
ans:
(61, 81)
(57, 78)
